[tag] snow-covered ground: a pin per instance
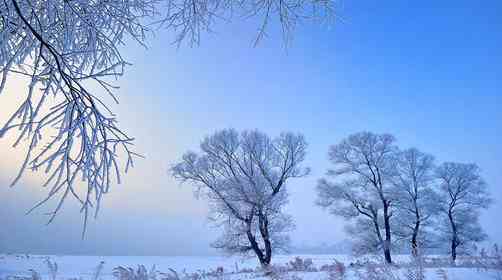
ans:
(84, 267)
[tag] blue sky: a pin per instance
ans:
(426, 71)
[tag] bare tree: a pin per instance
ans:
(243, 176)
(417, 199)
(64, 48)
(364, 169)
(463, 194)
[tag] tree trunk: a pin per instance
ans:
(264, 255)
(386, 253)
(454, 237)
(256, 248)
(263, 221)
(416, 228)
(386, 248)
(414, 248)
(453, 251)
(414, 237)
(388, 238)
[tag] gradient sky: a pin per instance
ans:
(428, 72)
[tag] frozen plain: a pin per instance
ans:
(15, 266)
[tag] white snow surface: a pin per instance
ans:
(84, 267)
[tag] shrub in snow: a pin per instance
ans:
(416, 270)
(496, 257)
(339, 271)
(173, 275)
(217, 273)
(442, 274)
(279, 272)
(245, 270)
(284, 276)
(275, 269)
(372, 271)
(141, 273)
(336, 270)
(53, 268)
(299, 264)
(98, 270)
(34, 276)
(336, 265)
(437, 262)
(293, 277)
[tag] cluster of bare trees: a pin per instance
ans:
(394, 197)
(397, 197)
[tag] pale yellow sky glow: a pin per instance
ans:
(145, 186)
(148, 200)
(11, 159)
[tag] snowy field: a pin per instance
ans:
(311, 267)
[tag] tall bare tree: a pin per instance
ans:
(244, 176)
(63, 49)
(364, 168)
(463, 194)
(417, 198)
